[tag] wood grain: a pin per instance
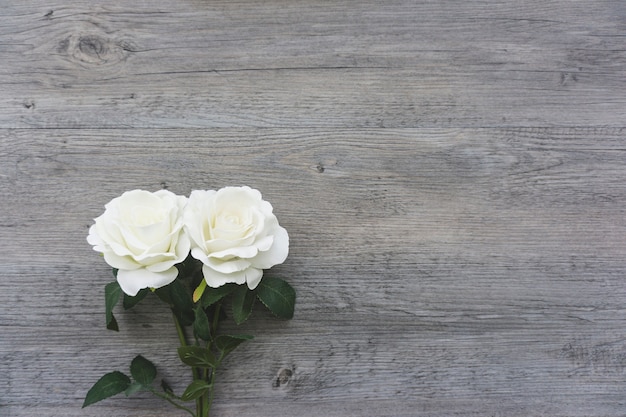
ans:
(452, 176)
(434, 267)
(408, 64)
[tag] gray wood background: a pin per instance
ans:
(452, 175)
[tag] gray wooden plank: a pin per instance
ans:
(451, 175)
(313, 64)
(439, 271)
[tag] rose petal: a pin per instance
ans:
(133, 281)
(130, 243)
(159, 266)
(199, 254)
(182, 250)
(168, 249)
(265, 243)
(119, 249)
(95, 240)
(276, 254)
(253, 277)
(216, 279)
(195, 216)
(238, 197)
(109, 232)
(142, 229)
(240, 252)
(232, 225)
(227, 267)
(137, 198)
(182, 246)
(154, 236)
(234, 233)
(120, 262)
(218, 245)
(154, 258)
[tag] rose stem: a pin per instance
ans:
(211, 379)
(183, 342)
(174, 403)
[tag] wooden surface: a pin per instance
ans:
(452, 175)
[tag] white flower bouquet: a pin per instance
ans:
(196, 254)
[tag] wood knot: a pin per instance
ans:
(283, 378)
(92, 47)
(322, 165)
(93, 50)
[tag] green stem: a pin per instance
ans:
(210, 378)
(216, 318)
(183, 342)
(174, 403)
(180, 331)
(210, 402)
(205, 405)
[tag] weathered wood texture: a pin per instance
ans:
(452, 176)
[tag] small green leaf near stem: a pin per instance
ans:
(130, 302)
(196, 389)
(197, 357)
(201, 327)
(216, 318)
(112, 292)
(243, 300)
(109, 385)
(181, 337)
(278, 296)
(142, 370)
(195, 372)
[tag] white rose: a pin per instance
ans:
(234, 234)
(141, 234)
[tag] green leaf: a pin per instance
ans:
(142, 370)
(196, 389)
(180, 296)
(243, 300)
(201, 325)
(109, 385)
(166, 387)
(197, 357)
(228, 343)
(278, 296)
(133, 388)
(164, 294)
(197, 293)
(130, 302)
(112, 293)
(112, 325)
(176, 295)
(213, 295)
(187, 267)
